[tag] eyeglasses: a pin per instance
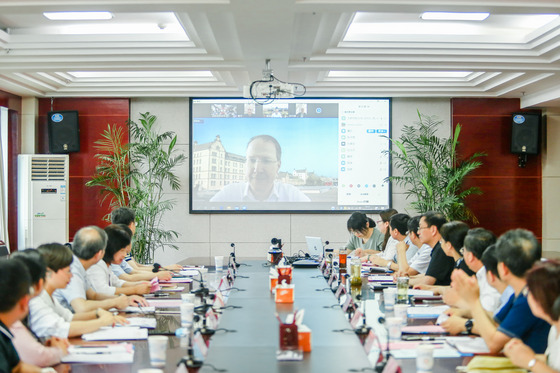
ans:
(264, 161)
(420, 228)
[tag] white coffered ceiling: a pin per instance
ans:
(335, 47)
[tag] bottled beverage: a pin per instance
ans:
(356, 272)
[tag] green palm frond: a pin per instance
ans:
(134, 174)
(432, 173)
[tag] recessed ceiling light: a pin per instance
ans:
(453, 16)
(77, 16)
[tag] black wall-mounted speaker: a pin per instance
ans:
(64, 131)
(525, 133)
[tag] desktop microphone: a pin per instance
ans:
(156, 268)
(380, 366)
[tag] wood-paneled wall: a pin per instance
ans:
(94, 116)
(512, 196)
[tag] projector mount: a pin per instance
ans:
(270, 88)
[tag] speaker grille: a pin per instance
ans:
(47, 169)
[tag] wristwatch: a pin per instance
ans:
(469, 326)
(532, 363)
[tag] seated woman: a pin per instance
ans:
(389, 246)
(46, 316)
(543, 284)
(28, 347)
(102, 279)
(364, 239)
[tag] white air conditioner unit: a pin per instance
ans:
(42, 199)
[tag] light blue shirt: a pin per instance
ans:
(121, 269)
(77, 288)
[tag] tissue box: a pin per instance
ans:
(304, 338)
(284, 294)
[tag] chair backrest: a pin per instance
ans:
(4, 251)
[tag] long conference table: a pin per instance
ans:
(247, 338)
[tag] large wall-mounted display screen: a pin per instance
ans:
(292, 155)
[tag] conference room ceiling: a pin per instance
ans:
(359, 48)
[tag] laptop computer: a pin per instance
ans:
(314, 249)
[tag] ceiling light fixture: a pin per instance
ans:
(454, 16)
(78, 16)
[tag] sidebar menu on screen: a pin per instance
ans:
(363, 165)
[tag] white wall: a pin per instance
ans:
(205, 235)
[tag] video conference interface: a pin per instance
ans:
(292, 155)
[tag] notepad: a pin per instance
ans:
(117, 334)
(104, 354)
(420, 293)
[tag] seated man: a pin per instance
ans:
(398, 228)
(460, 319)
(89, 247)
(516, 251)
(129, 269)
(419, 263)
(263, 161)
(13, 307)
(440, 267)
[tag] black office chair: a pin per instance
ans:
(4, 252)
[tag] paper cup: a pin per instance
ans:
(158, 350)
(389, 296)
(401, 311)
(424, 358)
(187, 297)
(219, 262)
(187, 313)
(394, 325)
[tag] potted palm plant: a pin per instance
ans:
(432, 173)
(134, 174)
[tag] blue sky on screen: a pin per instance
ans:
(310, 143)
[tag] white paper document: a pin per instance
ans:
(420, 293)
(133, 309)
(104, 354)
(468, 345)
(430, 312)
(380, 278)
(141, 322)
(122, 333)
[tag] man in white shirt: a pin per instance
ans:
(419, 263)
(263, 160)
(476, 243)
(398, 228)
(89, 247)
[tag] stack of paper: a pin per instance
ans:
(132, 309)
(101, 354)
(122, 333)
